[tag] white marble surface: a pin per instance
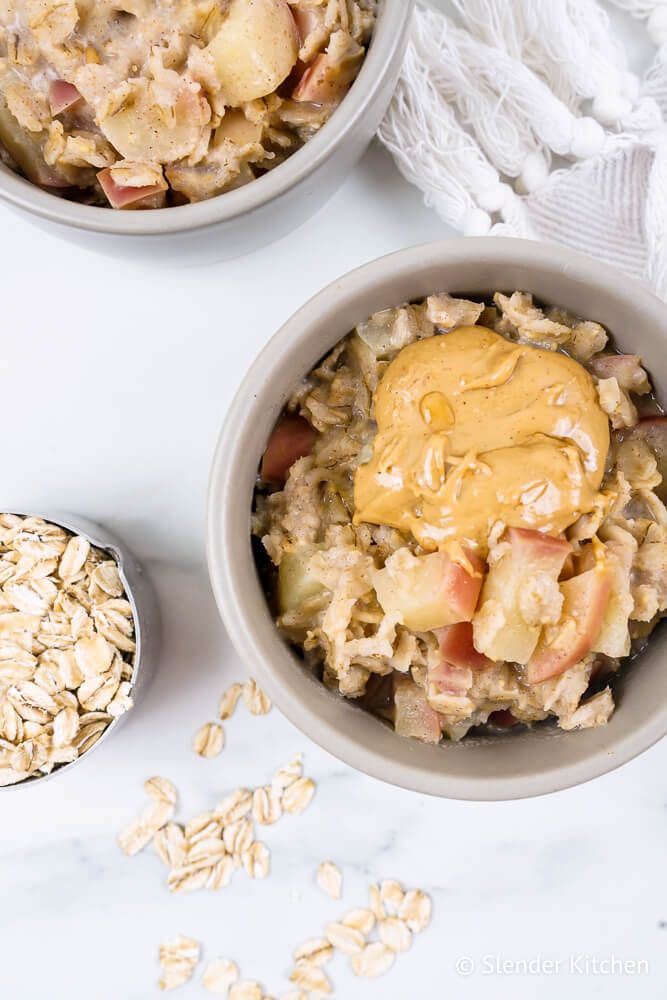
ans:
(114, 378)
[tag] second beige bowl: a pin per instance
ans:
(513, 765)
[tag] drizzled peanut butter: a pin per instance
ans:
(473, 429)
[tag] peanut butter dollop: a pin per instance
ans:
(473, 429)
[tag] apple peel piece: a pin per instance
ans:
(413, 716)
(292, 438)
(63, 96)
(123, 196)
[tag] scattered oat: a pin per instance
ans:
(229, 701)
(248, 990)
(293, 995)
(395, 934)
(266, 807)
(360, 919)
(141, 831)
(256, 860)
(330, 879)
(345, 939)
(162, 790)
(375, 903)
(287, 775)
(209, 740)
(298, 795)
(234, 806)
(178, 959)
(254, 698)
(220, 975)
(315, 951)
(391, 894)
(169, 844)
(311, 978)
(373, 961)
(237, 836)
(415, 910)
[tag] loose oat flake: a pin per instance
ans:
(330, 879)
(374, 960)
(314, 951)
(311, 978)
(395, 934)
(415, 910)
(209, 740)
(220, 975)
(298, 795)
(247, 990)
(254, 698)
(229, 701)
(65, 673)
(178, 959)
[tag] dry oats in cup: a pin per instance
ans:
(70, 641)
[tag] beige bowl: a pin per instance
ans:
(508, 766)
(265, 209)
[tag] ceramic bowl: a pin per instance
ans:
(270, 206)
(512, 765)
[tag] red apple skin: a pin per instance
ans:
(306, 21)
(503, 719)
(456, 647)
(625, 368)
(62, 96)
(586, 599)
(124, 197)
(292, 438)
(538, 545)
(461, 588)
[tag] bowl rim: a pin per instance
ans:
(392, 22)
(258, 648)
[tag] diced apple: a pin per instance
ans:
(614, 635)
(586, 598)
(62, 96)
(292, 438)
(457, 647)
(330, 75)
(237, 129)
(653, 431)
(122, 196)
(449, 679)
(296, 583)
(625, 368)
(255, 49)
(413, 716)
(307, 20)
(427, 592)
(503, 629)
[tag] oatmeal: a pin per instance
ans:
(145, 103)
(462, 509)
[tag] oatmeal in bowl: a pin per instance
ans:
(452, 463)
(133, 104)
(461, 506)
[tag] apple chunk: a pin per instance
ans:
(653, 432)
(296, 583)
(413, 716)
(585, 601)
(520, 595)
(427, 592)
(457, 647)
(292, 438)
(255, 49)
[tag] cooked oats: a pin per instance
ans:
(330, 879)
